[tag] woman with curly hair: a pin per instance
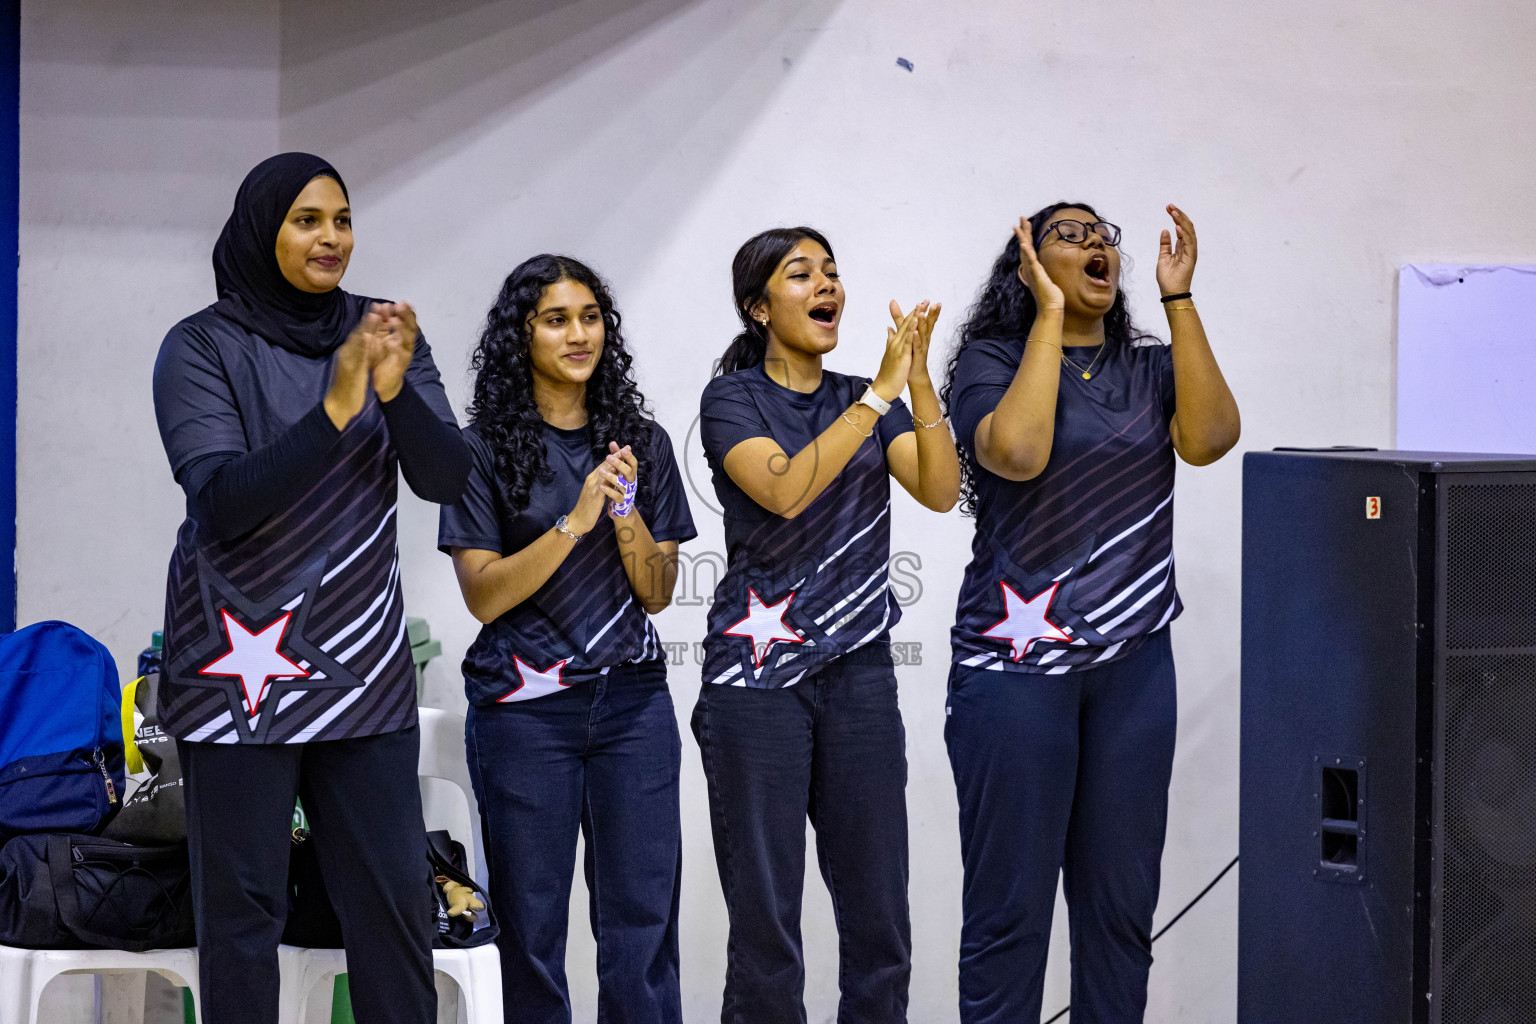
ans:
(564, 542)
(798, 714)
(1060, 718)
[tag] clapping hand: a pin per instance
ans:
(1046, 292)
(351, 368)
(927, 315)
(896, 364)
(621, 462)
(397, 343)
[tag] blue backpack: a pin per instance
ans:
(61, 740)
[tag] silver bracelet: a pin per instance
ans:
(927, 426)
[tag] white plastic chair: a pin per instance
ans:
(477, 972)
(24, 973)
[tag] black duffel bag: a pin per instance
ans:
(312, 919)
(60, 891)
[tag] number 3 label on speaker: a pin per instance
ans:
(1373, 508)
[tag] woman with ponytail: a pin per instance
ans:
(565, 542)
(798, 712)
(1060, 717)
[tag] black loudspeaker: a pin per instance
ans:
(1388, 820)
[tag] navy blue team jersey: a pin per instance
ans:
(585, 619)
(1074, 567)
(295, 631)
(797, 592)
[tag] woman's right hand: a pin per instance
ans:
(352, 368)
(601, 485)
(896, 364)
(1046, 292)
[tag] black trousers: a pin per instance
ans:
(831, 748)
(364, 808)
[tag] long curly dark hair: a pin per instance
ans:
(1005, 311)
(504, 410)
(751, 270)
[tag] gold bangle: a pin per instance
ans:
(926, 426)
(1172, 308)
(855, 426)
(1037, 341)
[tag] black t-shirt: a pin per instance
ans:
(1075, 566)
(797, 592)
(294, 631)
(584, 619)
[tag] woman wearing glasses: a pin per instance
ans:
(1061, 710)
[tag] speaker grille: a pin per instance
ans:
(1487, 787)
(1490, 566)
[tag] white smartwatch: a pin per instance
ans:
(874, 401)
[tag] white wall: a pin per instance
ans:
(1317, 146)
(137, 123)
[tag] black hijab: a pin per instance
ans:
(252, 289)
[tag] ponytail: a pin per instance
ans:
(746, 350)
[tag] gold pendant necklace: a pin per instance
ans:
(1085, 371)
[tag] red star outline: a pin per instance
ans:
(522, 681)
(1050, 595)
(759, 655)
(298, 673)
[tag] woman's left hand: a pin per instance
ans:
(399, 345)
(927, 316)
(622, 462)
(1176, 265)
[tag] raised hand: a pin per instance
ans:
(351, 368)
(1046, 292)
(927, 316)
(1176, 263)
(398, 343)
(896, 364)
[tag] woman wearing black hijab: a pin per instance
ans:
(285, 408)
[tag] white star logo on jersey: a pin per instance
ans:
(1025, 622)
(535, 682)
(765, 624)
(255, 658)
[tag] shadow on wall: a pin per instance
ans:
(394, 90)
(124, 105)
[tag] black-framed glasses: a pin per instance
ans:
(1075, 231)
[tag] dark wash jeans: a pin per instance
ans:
(831, 747)
(364, 806)
(1065, 773)
(603, 758)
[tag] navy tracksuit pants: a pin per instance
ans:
(1061, 773)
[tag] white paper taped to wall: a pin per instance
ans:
(1466, 358)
